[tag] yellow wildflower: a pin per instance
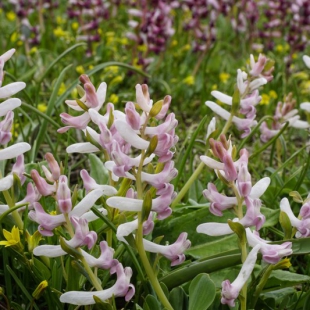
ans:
(142, 48)
(112, 69)
(279, 48)
(265, 99)
(20, 43)
(40, 289)
(273, 94)
(305, 87)
(186, 47)
(75, 26)
(123, 41)
(14, 37)
(33, 50)
(224, 77)
(214, 87)
(12, 238)
(53, 212)
(294, 56)
(79, 69)
(136, 65)
(60, 33)
(11, 16)
(174, 43)
(118, 79)
(59, 20)
(42, 107)
(113, 98)
(61, 89)
(33, 240)
(301, 75)
(90, 67)
(189, 80)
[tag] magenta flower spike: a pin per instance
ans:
(122, 287)
(230, 291)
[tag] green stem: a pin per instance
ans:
(147, 266)
(227, 125)
(15, 213)
(187, 185)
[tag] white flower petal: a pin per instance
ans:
(49, 251)
(125, 204)
(125, 229)
(101, 93)
(214, 229)
(14, 150)
(306, 60)
(11, 89)
(82, 147)
(300, 124)
(3, 208)
(91, 216)
(285, 207)
(9, 105)
(260, 187)
(210, 162)
(222, 97)
(6, 183)
(86, 203)
(305, 106)
(7, 55)
(218, 110)
(130, 136)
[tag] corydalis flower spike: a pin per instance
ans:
(230, 291)
(122, 287)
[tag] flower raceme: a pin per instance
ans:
(248, 96)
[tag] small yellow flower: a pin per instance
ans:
(142, 48)
(53, 212)
(174, 43)
(90, 67)
(189, 80)
(60, 33)
(112, 69)
(33, 240)
(14, 37)
(294, 56)
(33, 50)
(302, 75)
(59, 20)
(123, 41)
(265, 99)
(79, 69)
(11, 16)
(273, 94)
(20, 43)
(305, 87)
(61, 89)
(224, 77)
(40, 289)
(75, 26)
(279, 48)
(12, 238)
(118, 79)
(42, 107)
(114, 98)
(186, 47)
(214, 87)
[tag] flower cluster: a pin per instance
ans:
(89, 15)
(6, 112)
(246, 96)
(285, 112)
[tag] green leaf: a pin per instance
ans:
(49, 111)
(286, 225)
(97, 170)
(201, 292)
(100, 305)
(21, 286)
(280, 279)
(151, 303)
(178, 299)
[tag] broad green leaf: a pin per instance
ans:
(97, 170)
(151, 303)
(280, 279)
(100, 305)
(178, 298)
(201, 292)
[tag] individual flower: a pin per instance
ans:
(230, 291)
(12, 238)
(121, 288)
(272, 253)
(174, 252)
